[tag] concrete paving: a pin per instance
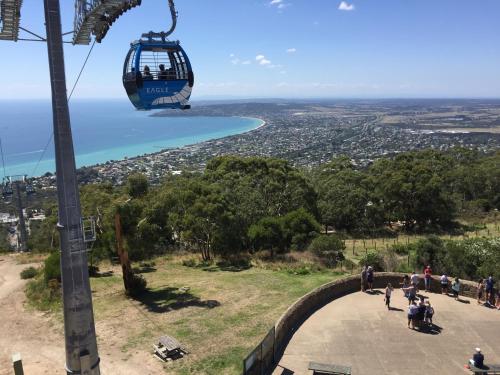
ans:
(359, 331)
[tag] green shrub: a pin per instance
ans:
(404, 268)
(373, 259)
(29, 273)
(301, 271)
(402, 249)
(329, 249)
(44, 296)
(52, 269)
(191, 262)
(235, 261)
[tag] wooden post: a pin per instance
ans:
(353, 246)
(18, 364)
(122, 253)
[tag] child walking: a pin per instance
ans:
(388, 292)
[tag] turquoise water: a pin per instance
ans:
(102, 131)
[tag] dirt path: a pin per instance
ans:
(39, 337)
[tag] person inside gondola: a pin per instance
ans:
(147, 73)
(162, 74)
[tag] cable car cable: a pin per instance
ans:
(81, 71)
(69, 98)
(43, 153)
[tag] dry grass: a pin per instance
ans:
(220, 318)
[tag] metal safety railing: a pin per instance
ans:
(261, 360)
(10, 14)
(94, 17)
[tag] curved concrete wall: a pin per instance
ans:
(302, 309)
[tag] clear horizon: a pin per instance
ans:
(287, 49)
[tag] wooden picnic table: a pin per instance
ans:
(169, 348)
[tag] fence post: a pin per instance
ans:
(18, 364)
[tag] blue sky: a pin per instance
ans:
(287, 48)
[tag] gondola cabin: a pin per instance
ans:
(157, 74)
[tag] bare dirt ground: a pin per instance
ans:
(39, 338)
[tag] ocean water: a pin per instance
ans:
(102, 131)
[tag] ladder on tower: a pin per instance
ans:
(94, 17)
(10, 14)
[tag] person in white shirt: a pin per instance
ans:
(415, 280)
(444, 284)
(388, 292)
(412, 314)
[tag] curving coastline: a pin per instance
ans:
(142, 149)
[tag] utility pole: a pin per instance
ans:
(22, 223)
(79, 330)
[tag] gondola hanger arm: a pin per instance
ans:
(165, 34)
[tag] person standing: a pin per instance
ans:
(427, 278)
(410, 293)
(415, 280)
(480, 290)
(429, 313)
(412, 314)
(363, 279)
(388, 292)
(444, 284)
(369, 278)
(456, 288)
(490, 284)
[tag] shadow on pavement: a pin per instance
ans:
(395, 309)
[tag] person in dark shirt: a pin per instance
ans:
(162, 74)
(477, 359)
(490, 284)
(147, 76)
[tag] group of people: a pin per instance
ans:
(420, 309)
(410, 287)
(421, 312)
(456, 285)
(367, 276)
(486, 288)
(163, 74)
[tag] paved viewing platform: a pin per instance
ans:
(358, 331)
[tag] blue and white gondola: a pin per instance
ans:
(157, 74)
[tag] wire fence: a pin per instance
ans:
(262, 359)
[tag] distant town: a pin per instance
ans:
(308, 133)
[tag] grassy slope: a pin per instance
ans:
(218, 337)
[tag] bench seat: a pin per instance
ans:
(485, 370)
(327, 369)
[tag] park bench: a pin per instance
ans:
(324, 369)
(485, 370)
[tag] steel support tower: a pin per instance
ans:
(22, 223)
(92, 17)
(79, 330)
